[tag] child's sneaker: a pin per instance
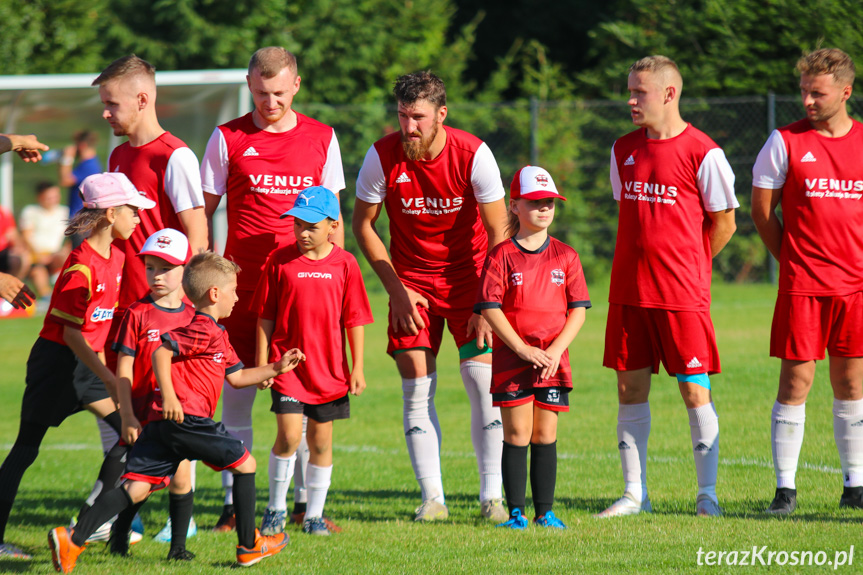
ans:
(227, 521)
(494, 510)
(64, 553)
(180, 554)
(431, 510)
(516, 520)
(274, 521)
(9, 551)
(300, 517)
(549, 520)
(265, 545)
(164, 536)
(315, 526)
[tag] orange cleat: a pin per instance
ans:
(64, 553)
(265, 545)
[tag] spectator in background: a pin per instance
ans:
(42, 226)
(78, 161)
(13, 259)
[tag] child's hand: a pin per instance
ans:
(131, 429)
(550, 370)
(358, 382)
(289, 360)
(534, 355)
(172, 410)
(266, 384)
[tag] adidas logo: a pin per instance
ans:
(630, 161)
(702, 448)
(808, 157)
(415, 431)
(623, 446)
(496, 424)
(693, 363)
(251, 151)
(404, 179)
(857, 424)
(786, 422)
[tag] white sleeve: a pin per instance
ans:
(183, 180)
(716, 182)
(771, 167)
(371, 183)
(485, 176)
(333, 175)
(214, 165)
(25, 219)
(614, 176)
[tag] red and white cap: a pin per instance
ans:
(533, 183)
(111, 190)
(168, 244)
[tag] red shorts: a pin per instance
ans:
(241, 326)
(636, 337)
(450, 300)
(804, 326)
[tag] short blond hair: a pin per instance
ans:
(828, 61)
(206, 270)
(271, 60)
(659, 65)
(126, 67)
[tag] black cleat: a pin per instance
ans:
(784, 502)
(852, 497)
(180, 554)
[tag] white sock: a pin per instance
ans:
(633, 430)
(486, 429)
(193, 473)
(107, 434)
(317, 484)
(300, 494)
(704, 430)
(280, 471)
(787, 424)
(848, 433)
(422, 434)
(237, 419)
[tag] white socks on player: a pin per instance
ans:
(704, 429)
(317, 485)
(633, 430)
(237, 419)
(848, 432)
(422, 435)
(300, 494)
(280, 470)
(486, 429)
(787, 423)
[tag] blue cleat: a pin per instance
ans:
(516, 520)
(549, 520)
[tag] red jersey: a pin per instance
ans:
(7, 225)
(821, 180)
(140, 334)
(535, 290)
(262, 174)
(312, 302)
(203, 356)
(85, 296)
(167, 171)
(435, 226)
(665, 189)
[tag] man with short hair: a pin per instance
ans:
(261, 162)
(814, 169)
(675, 191)
(78, 161)
(445, 201)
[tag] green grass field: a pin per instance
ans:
(373, 492)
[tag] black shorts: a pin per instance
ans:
(164, 444)
(337, 409)
(550, 398)
(58, 384)
(4, 260)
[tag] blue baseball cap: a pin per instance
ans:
(314, 204)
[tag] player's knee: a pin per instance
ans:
(247, 466)
(287, 443)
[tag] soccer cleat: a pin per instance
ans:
(180, 554)
(549, 520)
(494, 510)
(626, 505)
(9, 551)
(298, 518)
(118, 545)
(273, 521)
(164, 536)
(265, 545)
(227, 521)
(64, 553)
(431, 510)
(138, 526)
(852, 497)
(705, 506)
(315, 526)
(516, 520)
(784, 502)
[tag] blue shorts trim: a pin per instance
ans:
(701, 379)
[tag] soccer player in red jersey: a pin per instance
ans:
(445, 202)
(261, 162)
(813, 168)
(66, 371)
(675, 191)
(534, 296)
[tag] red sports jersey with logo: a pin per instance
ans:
(662, 257)
(534, 289)
(85, 296)
(203, 356)
(140, 334)
(267, 171)
(822, 209)
(312, 302)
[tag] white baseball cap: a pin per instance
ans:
(533, 183)
(168, 244)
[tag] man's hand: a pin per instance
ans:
(478, 325)
(15, 291)
(27, 147)
(406, 316)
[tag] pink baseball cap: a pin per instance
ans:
(533, 183)
(168, 244)
(111, 190)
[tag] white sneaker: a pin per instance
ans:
(705, 506)
(431, 510)
(494, 510)
(626, 505)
